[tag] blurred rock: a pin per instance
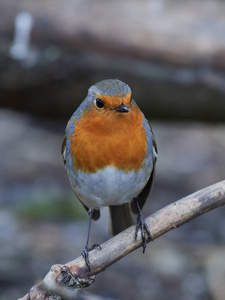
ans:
(165, 30)
(170, 52)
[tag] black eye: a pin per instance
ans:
(99, 103)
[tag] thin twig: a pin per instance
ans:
(68, 279)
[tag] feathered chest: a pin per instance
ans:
(109, 139)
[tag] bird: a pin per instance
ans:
(109, 151)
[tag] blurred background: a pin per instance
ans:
(172, 55)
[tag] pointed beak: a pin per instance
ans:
(122, 108)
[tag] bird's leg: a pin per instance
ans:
(86, 249)
(141, 224)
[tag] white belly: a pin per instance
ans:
(109, 186)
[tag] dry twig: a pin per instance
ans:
(67, 280)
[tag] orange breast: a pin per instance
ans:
(109, 138)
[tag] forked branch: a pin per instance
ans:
(66, 280)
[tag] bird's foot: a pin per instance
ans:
(141, 224)
(85, 253)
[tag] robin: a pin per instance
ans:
(109, 152)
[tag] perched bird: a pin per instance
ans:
(110, 153)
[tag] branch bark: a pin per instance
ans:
(67, 280)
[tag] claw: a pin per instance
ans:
(85, 253)
(141, 224)
(95, 245)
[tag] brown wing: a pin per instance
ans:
(142, 197)
(63, 149)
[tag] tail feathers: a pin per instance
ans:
(121, 218)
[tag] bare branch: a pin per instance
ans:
(70, 278)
